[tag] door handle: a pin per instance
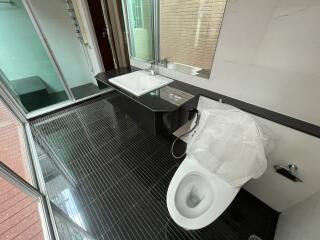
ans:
(104, 33)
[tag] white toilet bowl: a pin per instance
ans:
(224, 153)
(196, 196)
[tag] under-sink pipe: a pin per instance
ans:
(198, 116)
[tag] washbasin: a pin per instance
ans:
(140, 82)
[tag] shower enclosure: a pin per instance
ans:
(44, 56)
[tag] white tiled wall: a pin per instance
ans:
(301, 222)
(289, 146)
(268, 54)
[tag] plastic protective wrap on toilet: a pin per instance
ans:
(229, 143)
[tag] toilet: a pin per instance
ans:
(225, 152)
(196, 197)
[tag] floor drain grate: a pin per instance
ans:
(254, 237)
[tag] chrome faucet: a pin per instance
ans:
(151, 69)
(165, 61)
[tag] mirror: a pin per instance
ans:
(139, 27)
(189, 32)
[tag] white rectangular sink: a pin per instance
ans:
(140, 82)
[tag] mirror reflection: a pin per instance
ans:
(189, 34)
(139, 27)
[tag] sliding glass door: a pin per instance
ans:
(26, 70)
(63, 25)
(47, 58)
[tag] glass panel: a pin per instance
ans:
(13, 151)
(69, 214)
(25, 68)
(140, 28)
(189, 32)
(61, 27)
(19, 214)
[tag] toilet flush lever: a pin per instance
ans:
(289, 172)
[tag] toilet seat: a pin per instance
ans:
(196, 196)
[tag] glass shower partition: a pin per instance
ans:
(26, 70)
(63, 25)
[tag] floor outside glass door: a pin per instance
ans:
(19, 214)
(13, 148)
(19, 209)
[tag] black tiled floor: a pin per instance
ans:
(120, 178)
(85, 90)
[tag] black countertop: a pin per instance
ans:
(154, 102)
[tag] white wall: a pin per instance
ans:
(290, 146)
(301, 222)
(55, 22)
(268, 54)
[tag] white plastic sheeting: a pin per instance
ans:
(230, 144)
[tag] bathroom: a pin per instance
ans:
(158, 119)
